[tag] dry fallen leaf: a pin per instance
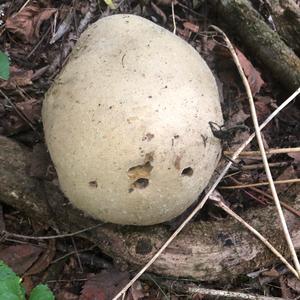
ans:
(44, 261)
(104, 286)
(295, 156)
(27, 22)
(20, 257)
(18, 77)
(253, 76)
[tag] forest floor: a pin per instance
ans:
(38, 37)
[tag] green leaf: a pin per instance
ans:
(4, 66)
(41, 292)
(10, 284)
(111, 4)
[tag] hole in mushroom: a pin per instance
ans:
(140, 171)
(141, 183)
(187, 171)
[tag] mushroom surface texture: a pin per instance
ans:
(127, 122)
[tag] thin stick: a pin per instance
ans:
(20, 113)
(222, 205)
(270, 198)
(49, 237)
(173, 17)
(228, 294)
(262, 150)
(242, 186)
(261, 166)
(269, 151)
(24, 5)
(205, 198)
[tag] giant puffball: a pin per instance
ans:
(127, 122)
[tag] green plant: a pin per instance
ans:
(4, 66)
(11, 287)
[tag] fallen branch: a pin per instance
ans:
(264, 43)
(206, 251)
(216, 294)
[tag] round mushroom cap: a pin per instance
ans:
(127, 122)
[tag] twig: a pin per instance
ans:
(20, 113)
(269, 151)
(261, 166)
(262, 150)
(270, 198)
(49, 237)
(242, 186)
(205, 198)
(24, 5)
(228, 294)
(222, 205)
(173, 17)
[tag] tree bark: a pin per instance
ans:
(264, 43)
(286, 17)
(206, 251)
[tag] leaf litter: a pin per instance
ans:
(24, 32)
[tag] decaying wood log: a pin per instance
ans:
(264, 43)
(208, 251)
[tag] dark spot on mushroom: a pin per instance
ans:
(130, 190)
(148, 137)
(143, 246)
(110, 107)
(187, 171)
(93, 184)
(149, 157)
(204, 138)
(141, 183)
(176, 136)
(150, 97)
(177, 162)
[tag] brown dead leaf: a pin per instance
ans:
(294, 284)
(27, 22)
(253, 76)
(104, 286)
(44, 261)
(288, 173)
(18, 77)
(20, 257)
(263, 107)
(190, 26)
(13, 123)
(295, 156)
(66, 295)
(136, 291)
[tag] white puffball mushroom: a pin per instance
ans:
(127, 122)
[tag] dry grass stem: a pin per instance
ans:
(49, 237)
(205, 198)
(262, 150)
(270, 198)
(242, 186)
(173, 17)
(269, 151)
